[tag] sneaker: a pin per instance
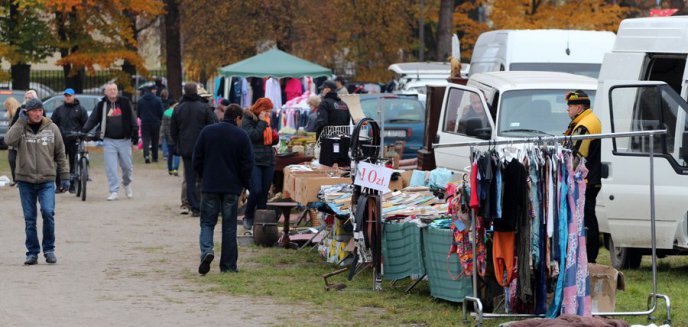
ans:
(170, 172)
(129, 191)
(176, 173)
(248, 224)
(147, 160)
(50, 257)
(31, 259)
(204, 267)
(113, 196)
(184, 210)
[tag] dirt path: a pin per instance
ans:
(130, 262)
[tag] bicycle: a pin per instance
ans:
(82, 163)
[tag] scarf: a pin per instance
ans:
(264, 104)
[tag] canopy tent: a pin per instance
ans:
(275, 63)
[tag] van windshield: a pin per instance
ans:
(527, 113)
(590, 70)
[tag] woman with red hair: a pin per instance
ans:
(256, 122)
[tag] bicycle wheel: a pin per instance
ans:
(84, 177)
(77, 179)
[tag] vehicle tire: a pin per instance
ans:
(623, 258)
(84, 177)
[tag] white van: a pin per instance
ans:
(571, 51)
(643, 86)
(512, 104)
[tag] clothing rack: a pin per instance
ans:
(477, 304)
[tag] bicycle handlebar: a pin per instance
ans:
(79, 135)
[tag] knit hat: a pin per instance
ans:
(262, 104)
(577, 97)
(33, 104)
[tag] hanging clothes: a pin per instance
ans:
(273, 92)
(245, 93)
(258, 89)
(293, 89)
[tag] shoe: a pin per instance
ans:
(129, 191)
(248, 225)
(155, 160)
(230, 271)
(170, 172)
(195, 214)
(147, 160)
(13, 184)
(184, 211)
(176, 173)
(50, 257)
(204, 267)
(31, 259)
(113, 196)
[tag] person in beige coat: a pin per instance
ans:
(40, 157)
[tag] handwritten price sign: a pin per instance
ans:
(373, 176)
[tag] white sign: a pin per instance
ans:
(373, 176)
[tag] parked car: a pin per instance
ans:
(42, 90)
(4, 120)
(88, 101)
(404, 118)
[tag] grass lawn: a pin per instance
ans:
(289, 276)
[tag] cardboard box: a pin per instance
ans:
(291, 173)
(604, 281)
(308, 187)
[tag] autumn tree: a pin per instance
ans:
(537, 14)
(101, 34)
(444, 30)
(173, 48)
(24, 39)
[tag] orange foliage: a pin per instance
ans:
(538, 14)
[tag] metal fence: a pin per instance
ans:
(50, 82)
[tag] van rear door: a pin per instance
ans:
(464, 118)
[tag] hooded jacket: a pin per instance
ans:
(332, 111)
(188, 119)
(264, 155)
(40, 155)
(70, 117)
(150, 109)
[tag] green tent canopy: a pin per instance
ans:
(275, 63)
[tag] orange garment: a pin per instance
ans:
(503, 256)
(264, 104)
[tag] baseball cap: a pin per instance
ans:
(69, 91)
(33, 104)
(329, 84)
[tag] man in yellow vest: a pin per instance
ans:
(584, 121)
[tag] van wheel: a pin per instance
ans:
(623, 258)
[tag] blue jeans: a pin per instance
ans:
(261, 179)
(117, 151)
(44, 193)
(172, 161)
(211, 204)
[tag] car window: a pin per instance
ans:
(396, 110)
(464, 113)
(534, 112)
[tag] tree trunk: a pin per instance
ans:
(74, 80)
(444, 30)
(173, 49)
(21, 76)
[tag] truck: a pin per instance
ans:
(570, 51)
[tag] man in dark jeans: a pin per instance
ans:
(70, 117)
(188, 119)
(223, 158)
(150, 110)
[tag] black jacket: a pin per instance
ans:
(70, 118)
(130, 127)
(225, 167)
(264, 154)
(150, 109)
(188, 119)
(332, 111)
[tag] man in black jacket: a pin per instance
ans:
(150, 110)
(223, 158)
(332, 111)
(119, 131)
(189, 117)
(70, 117)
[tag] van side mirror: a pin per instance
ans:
(474, 127)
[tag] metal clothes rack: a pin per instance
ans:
(652, 298)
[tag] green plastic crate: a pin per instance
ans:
(402, 253)
(436, 243)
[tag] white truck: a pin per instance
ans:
(570, 51)
(643, 85)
